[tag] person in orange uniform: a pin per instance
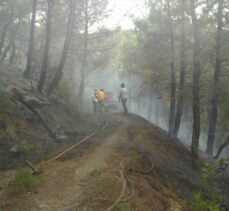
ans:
(100, 95)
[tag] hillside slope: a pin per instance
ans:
(88, 177)
(129, 165)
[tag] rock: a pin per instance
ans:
(72, 133)
(61, 138)
(2, 91)
(33, 102)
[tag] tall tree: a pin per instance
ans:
(92, 12)
(172, 69)
(11, 41)
(149, 112)
(47, 46)
(13, 54)
(85, 52)
(5, 28)
(70, 26)
(216, 80)
(27, 71)
(179, 107)
(196, 80)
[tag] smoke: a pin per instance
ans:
(139, 100)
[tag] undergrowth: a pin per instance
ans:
(210, 199)
(23, 181)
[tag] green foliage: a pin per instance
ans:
(39, 157)
(24, 146)
(23, 181)
(208, 173)
(7, 96)
(124, 207)
(206, 200)
(201, 203)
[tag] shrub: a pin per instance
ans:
(23, 181)
(201, 203)
(209, 199)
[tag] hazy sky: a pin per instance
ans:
(120, 11)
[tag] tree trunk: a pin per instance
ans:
(11, 42)
(64, 55)
(216, 81)
(150, 105)
(47, 46)
(6, 50)
(27, 71)
(179, 107)
(172, 71)
(13, 54)
(139, 103)
(5, 28)
(196, 79)
(130, 92)
(85, 53)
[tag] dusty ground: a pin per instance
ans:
(88, 178)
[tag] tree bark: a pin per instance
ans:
(196, 79)
(27, 71)
(130, 91)
(150, 106)
(5, 28)
(11, 42)
(85, 54)
(216, 81)
(47, 46)
(13, 54)
(179, 107)
(59, 72)
(172, 71)
(6, 50)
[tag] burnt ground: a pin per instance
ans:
(35, 125)
(87, 178)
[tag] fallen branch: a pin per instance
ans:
(80, 142)
(49, 131)
(30, 166)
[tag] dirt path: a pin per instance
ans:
(63, 181)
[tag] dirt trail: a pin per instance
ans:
(63, 181)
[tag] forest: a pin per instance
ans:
(172, 63)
